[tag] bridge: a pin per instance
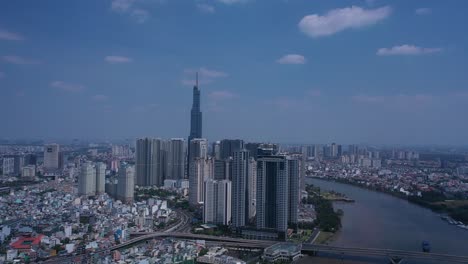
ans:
(395, 256)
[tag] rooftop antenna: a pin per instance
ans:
(196, 83)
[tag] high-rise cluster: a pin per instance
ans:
(92, 177)
(158, 160)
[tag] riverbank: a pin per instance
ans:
(377, 220)
(437, 204)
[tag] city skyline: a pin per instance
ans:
(398, 80)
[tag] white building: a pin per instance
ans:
(8, 165)
(28, 171)
(126, 183)
(100, 177)
(217, 202)
(87, 179)
(201, 169)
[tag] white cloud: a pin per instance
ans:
(7, 35)
(2, 75)
(209, 9)
(122, 5)
(338, 20)
(100, 97)
(367, 99)
(229, 2)
(205, 76)
(221, 95)
(407, 50)
(399, 101)
(130, 7)
(140, 15)
(117, 59)
(19, 60)
(292, 59)
(68, 87)
(423, 11)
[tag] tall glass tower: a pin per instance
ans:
(195, 121)
(195, 114)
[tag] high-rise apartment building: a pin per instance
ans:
(229, 146)
(201, 169)
(240, 192)
(216, 150)
(149, 162)
(51, 157)
(217, 205)
(87, 179)
(252, 187)
(198, 148)
(277, 193)
(126, 183)
(100, 177)
(175, 159)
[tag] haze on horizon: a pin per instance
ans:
(360, 71)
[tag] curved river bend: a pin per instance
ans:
(378, 220)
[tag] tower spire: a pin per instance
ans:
(196, 83)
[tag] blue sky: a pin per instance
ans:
(359, 71)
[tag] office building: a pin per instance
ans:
(100, 178)
(87, 179)
(217, 202)
(175, 159)
(51, 157)
(240, 192)
(149, 162)
(126, 183)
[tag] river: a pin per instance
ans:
(378, 220)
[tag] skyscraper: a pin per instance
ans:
(217, 205)
(229, 146)
(51, 156)
(87, 179)
(175, 159)
(195, 121)
(100, 178)
(216, 150)
(198, 148)
(126, 183)
(294, 180)
(240, 192)
(201, 169)
(252, 187)
(277, 192)
(149, 162)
